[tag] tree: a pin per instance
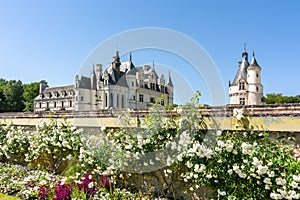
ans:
(2, 97)
(31, 90)
(13, 93)
(280, 99)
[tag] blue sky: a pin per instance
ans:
(51, 39)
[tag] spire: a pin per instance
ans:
(117, 52)
(245, 54)
(253, 61)
(170, 83)
(130, 57)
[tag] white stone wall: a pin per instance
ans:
(116, 92)
(85, 99)
(255, 87)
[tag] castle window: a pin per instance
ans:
(241, 85)
(111, 100)
(117, 100)
(105, 99)
(152, 86)
(141, 97)
(40, 105)
(257, 75)
(162, 102)
(132, 84)
(47, 105)
(152, 99)
(70, 104)
(62, 104)
(133, 97)
(81, 98)
(257, 89)
(122, 101)
(242, 101)
(54, 104)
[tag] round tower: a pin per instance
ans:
(255, 88)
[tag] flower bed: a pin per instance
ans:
(170, 157)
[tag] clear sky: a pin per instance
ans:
(51, 39)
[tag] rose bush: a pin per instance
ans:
(237, 164)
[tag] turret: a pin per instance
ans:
(255, 88)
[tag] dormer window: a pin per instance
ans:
(242, 86)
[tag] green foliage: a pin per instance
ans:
(31, 91)
(5, 197)
(13, 91)
(280, 99)
(2, 97)
(17, 97)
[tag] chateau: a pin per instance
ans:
(120, 86)
(246, 88)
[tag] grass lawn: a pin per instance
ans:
(5, 197)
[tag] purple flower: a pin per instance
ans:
(85, 185)
(63, 192)
(105, 182)
(42, 192)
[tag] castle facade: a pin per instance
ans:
(120, 86)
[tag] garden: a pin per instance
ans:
(163, 157)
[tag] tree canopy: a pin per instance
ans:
(16, 96)
(280, 99)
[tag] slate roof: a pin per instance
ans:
(85, 82)
(64, 87)
(254, 62)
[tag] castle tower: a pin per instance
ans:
(255, 88)
(246, 88)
